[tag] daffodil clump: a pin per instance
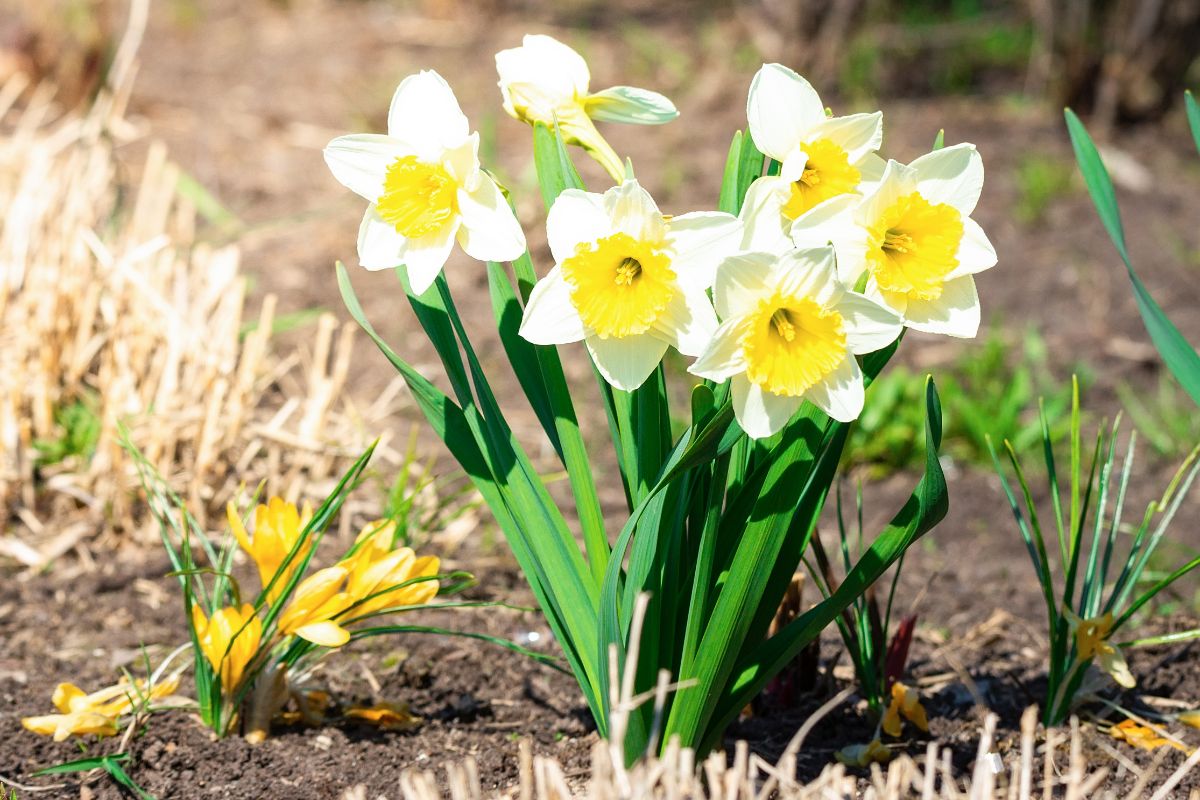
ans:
(784, 301)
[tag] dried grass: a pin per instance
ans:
(106, 293)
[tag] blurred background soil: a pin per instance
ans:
(245, 93)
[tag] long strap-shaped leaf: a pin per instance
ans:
(1179, 356)
(924, 509)
(567, 609)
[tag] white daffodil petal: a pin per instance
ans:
(975, 251)
(701, 240)
(955, 313)
(870, 172)
(857, 134)
(809, 273)
(792, 168)
(360, 161)
(550, 316)
(462, 162)
(763, 224)
(627, 361)
(548, 63)
(634, 212)
(425, 257)
(380, 245)
(841, 393)
(781, 108)
(952, 175)
(577, 217)
(490, 231)
(630, 104)
(761, 413)
(425, 113)
(833, 222)
(688, 321)
(898, 180)
(724, 356)
(742, 280)
(870, 326)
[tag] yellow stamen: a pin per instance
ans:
(418, 198)
(792, 344)
(619, 286)
(827, 174)
(913, 246)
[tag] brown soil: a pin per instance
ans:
(246, 92)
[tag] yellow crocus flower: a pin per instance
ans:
(373, 569)
(1091, 641)
(385, 716)
(229, 640)
(862, 755)
(907, 703)
(277, 528)
(94, 713)
(317, 600)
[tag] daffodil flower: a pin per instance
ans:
(914, 238)
(863, 755)
(277, 529)
(546, 81)
(1091, 641)
(905, 703)
(96, 713)
(627, 280)
(820, 156)
(229, 640)
(789, 333)
(318, 599)
(425, 187)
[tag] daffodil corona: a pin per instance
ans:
(627, 280)
(546, 81)
(425, 187)
(789, 333)
(913, 238)
(820, 157)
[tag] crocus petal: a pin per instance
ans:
(952, 175)
(741, 281)
(955, 313)
(575, 218)
(425, 257)
(763, 223)
(550, 315)
(1111, 660)
(701, 240)
(781, 108)
(975, 251)
(857, 134)
(65, 696)
(841, 393)
(380, 245)
(360, 161)
(627, 361)
(490, 231)
(688, 321)
(870, 326)
(425, 113)
(630, 104)
(724, 356)
(634, 212)
(325, 634)
(761, 413)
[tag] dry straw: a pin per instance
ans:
(108, 297)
